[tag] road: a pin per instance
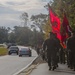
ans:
(10, 64)
(42, 69)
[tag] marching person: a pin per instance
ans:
(71, 48)
(50, 45)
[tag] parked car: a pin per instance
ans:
(25, 51)
(13, 49)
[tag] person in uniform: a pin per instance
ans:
(50, 45)
(71, 48)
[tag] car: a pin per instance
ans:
(13, 49)
(11, 44)
(25, 51)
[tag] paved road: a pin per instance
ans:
(10, 64)
(42, 69)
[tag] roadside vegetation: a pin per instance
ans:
(3, 51)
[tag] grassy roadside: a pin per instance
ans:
(3, 51)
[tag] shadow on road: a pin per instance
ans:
(66, 71)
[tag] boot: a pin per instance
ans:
(50, 68)
(53, 68)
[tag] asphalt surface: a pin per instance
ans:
(42, 69)
(10, 64)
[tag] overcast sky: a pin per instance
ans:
(10, 10)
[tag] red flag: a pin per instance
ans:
(65, 29)
(66, 24)
(55, 23)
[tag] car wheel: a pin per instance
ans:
(20, 55)
(9, 53)
(17, 53)
(30, 55)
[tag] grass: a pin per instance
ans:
(3, 51)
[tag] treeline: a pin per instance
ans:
(28, 34)
(21, 36)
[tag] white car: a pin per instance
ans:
(25, 51)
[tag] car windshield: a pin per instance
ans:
(24, 49)
(13, 47)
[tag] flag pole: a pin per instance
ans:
(49, 16)
(49, 7)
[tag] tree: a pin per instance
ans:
(24, 17)
(12, 38)
(47, 29)
(3, 35)
(39, 20)
(22, 35)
